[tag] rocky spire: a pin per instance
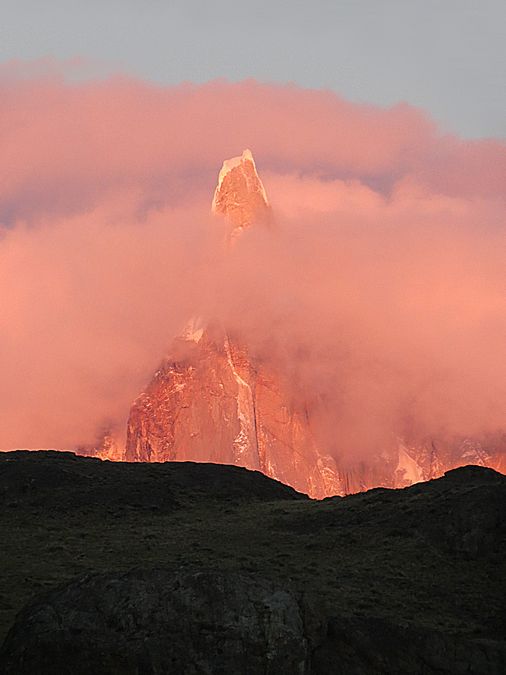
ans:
(240, 195)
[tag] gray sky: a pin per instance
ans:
(448, 56)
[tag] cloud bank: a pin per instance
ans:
(379, 290)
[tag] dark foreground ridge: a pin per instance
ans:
(49, 479)
(198, 568)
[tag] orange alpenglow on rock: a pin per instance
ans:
(212, 401)
(240, 195)
(218, 405)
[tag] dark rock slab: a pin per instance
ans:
(159, 622)
(212, 623)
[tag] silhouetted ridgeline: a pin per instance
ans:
(197, 568)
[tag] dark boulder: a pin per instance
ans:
(159, 622)
(216, 623)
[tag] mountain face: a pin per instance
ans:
(216, 404)
(240, 195)
(212, 401)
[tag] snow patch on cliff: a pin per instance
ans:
(245, 443)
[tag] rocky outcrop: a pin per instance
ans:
(212, 401)
(217, 404)
(240, 195)
(158, 622)
(209, 622)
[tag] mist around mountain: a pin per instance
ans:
(334, 326)
(218, 397)
(379, 290)
(199, 568)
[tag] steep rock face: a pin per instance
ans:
(424, 459)
(211, 401)
(240, 195)
(217, 405)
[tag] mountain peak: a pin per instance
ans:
(240, 195)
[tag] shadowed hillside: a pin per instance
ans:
(422, 566)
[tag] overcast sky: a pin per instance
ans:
(447, 56)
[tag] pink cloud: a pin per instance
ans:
(380, 287)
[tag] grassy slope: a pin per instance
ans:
(381, 553)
